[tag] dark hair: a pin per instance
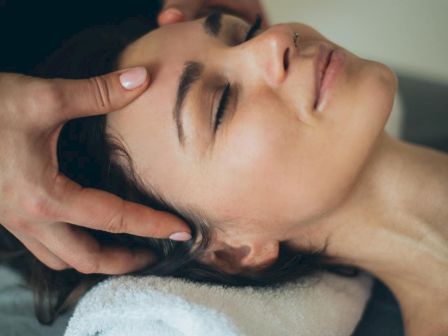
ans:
(89, 155)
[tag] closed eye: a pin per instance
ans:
(253, 29)
(220, 111)
(226, 93)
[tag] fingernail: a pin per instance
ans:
(133, 78)
(172, 14)
(180, 236)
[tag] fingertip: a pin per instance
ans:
(134, 78)
(170, 15)
(180, 230)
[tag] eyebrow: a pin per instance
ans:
(212, 23)
(192, 72)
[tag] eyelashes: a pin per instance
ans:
(227, 91)
(253, 29)
(222, 107)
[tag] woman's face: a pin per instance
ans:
(276, 161)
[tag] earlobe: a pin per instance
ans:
(261, 255)
(226, 258)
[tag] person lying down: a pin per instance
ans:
(270, 143)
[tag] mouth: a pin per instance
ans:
(323, 60)
(331, 66)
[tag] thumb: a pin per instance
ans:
(99, 94)
(179, 10)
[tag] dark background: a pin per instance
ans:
(32, 30)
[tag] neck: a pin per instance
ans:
(394, 224)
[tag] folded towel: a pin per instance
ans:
(141, 306)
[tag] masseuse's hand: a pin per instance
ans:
(43, 208)
(184, 10)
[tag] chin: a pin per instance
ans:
(384, 83)
(375, 87)
(373, 93)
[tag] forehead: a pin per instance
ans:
(184, 39)
(165, 45)
(164, 53)
(146, 126)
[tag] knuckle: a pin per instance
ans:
(101, 91)
(20, 224)
(45, 95)
(8, 191)
(116, 223)
(38, 207)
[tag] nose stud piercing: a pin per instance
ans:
(296, 39)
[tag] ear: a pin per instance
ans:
(237, 258)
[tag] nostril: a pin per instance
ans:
(286, 59)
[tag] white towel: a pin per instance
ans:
(143, 306)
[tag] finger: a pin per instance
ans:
(265, 23)
(258, 9)
(100, 94)
(247, 10)
(179, 10)
(42, 253)
(82, 252)
(103, 211)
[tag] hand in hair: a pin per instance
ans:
(42, 207)
(180, 10)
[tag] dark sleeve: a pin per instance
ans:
(32, 30)
(382, 315)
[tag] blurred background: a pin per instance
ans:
(410, 36)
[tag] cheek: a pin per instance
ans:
(271, 167)
(253, 163)
(364, 110)
(352, 129)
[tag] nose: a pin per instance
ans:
(269, 53)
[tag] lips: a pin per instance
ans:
(323, 60)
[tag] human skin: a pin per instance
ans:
(174, 11)
(279, 170)
(275, 162)
(43, 208)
